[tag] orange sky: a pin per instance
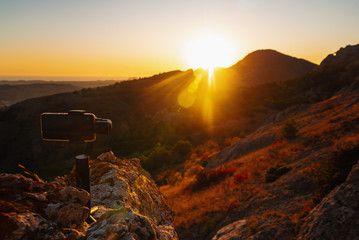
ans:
(116, 39)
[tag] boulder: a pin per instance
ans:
(36, 210)
(130, 205)
(234, 231)
(336, 216)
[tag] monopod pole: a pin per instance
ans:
(83, 174)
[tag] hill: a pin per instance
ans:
(12, 92)
(275, 182)
(267, 66)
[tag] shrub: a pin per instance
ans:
(274, 172)
(289, 128)
(182, 148)
(206, 178)
(157, 158)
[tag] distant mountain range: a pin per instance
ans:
(19, 90)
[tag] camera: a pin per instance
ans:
(75, 125)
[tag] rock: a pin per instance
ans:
(67, 214)
(68, 194)
(349, 54)
(122, 223)
(35, 210)
(130, 206)
(74, 195)
(28, 226)
(234, 231)
(336, 216)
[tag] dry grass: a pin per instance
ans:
(321, 132)
(199, 207)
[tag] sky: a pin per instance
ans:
(116, 39)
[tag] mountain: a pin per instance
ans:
(267, 66)
(295, 177)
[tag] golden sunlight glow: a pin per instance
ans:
(209, 51)
(188, 96)
(201, 93)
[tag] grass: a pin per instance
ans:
(324, 152)
(193, 208)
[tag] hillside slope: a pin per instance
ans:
(264, 185)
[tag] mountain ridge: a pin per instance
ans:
(267, 66)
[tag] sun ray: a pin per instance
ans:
(207, 52)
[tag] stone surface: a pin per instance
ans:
(36, 210)
(233, 231)
(130, 204)
(337, 215)
(349, 54)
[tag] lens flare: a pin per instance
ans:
(188, 96)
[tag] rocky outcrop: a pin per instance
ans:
(35, 210)
(347, 55)
(336, 216)
(235, 230)
(129, 205)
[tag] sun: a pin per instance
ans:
(209, 51)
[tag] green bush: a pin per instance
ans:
(157, 159)
(290, 129)
(274, 172)
(182, 148)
